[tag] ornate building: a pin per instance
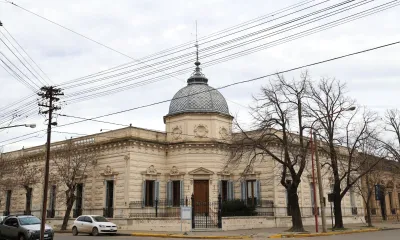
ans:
(137, 166)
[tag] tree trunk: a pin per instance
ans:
(28, 202)
(70, 204)
(337, 204)
(369, 220)
(297, 222)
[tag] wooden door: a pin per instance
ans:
(201, 194)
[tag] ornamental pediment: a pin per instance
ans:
(108, 171)
(225, 172)
(175, 171)
(201, 171)
(151, 171)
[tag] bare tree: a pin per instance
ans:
(279, 134)
(344, 136)
(71, 163)
(372, 153)
(28, 173)
(5, 169)
(392, 122)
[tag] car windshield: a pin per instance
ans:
(29, 220)
(100, 219)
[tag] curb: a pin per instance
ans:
(186, 236)
(301, 235)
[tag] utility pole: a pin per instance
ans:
(320, 188)
(49, 97)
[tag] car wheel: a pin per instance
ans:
(95, 231)
(21, 237)
(74, 231)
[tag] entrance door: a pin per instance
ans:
(201, 194)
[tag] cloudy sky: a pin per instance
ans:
(141, 28)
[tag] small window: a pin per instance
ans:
(352, 198)
(251, 192)
(149, 193)
(224, 190)
(81, 219)
(398, 198)
(390, 200)
(176, 191)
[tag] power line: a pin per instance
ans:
(241, 82)
(206, 37)
(277, 12)
(225, 86)
(10, 72)
(238, 54)
(22, 62)
(245, 23)
(79, 34)
(20, 46)
(127, 79)
(179, 57)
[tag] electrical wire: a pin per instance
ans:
(240, 82)
(23, 64)
(48, 81)
(261, 47)
(222, 87)
(73, 81)
(16, 76)
(114, 83)
(125, 80)
(229, 29)
(246, 50)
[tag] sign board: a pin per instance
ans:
(186, 213)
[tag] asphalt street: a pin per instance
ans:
(387, 235)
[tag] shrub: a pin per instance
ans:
(237, 208)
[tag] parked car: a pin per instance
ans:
(23, 228)
(94, 225)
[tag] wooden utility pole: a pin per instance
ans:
(49, 97)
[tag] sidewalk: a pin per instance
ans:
(261, 233)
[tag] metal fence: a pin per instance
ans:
(168, 209)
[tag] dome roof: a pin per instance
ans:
(198, 97)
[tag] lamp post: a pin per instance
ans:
(321, 196)
(21, 125)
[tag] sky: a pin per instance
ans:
(141, 28)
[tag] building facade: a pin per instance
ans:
(142, 177)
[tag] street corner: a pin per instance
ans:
(303, 235)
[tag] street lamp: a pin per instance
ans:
(21, 125)
(320, 188)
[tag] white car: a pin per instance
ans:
(94, 225)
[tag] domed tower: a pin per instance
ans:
(198, 112)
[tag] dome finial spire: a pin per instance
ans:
(197, 48)
(197, 77)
